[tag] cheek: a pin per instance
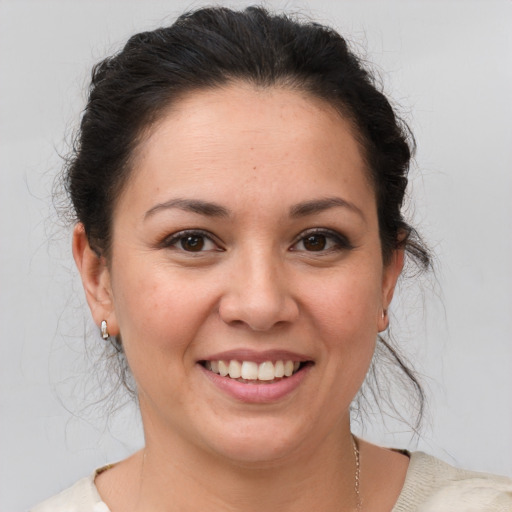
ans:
(158, 319)
(344, 311)
(157, 314)
(347, 303)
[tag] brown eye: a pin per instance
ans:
(192, 243)
(322, 241)
(315, 242)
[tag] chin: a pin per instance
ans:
(258, 444)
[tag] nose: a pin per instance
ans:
(258, 294)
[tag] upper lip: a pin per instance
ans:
(257, 356)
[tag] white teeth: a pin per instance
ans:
(279, 369)
(266, 371)
(235, 369)
(223, 369)
(249, 370)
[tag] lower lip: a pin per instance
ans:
(257, 393)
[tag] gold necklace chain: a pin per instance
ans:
(357, 476)
(359, 502)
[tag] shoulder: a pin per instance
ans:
(81, 497)
(432, 485)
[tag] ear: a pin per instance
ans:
(95, 280)
(390, 275)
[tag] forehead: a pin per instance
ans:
(241, 138)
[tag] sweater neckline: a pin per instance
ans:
(416, 461)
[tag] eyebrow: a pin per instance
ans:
(320, 205)
(216, 210)
(190, 205)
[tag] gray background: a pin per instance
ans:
(448, 64)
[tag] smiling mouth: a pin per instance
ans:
(249, 372)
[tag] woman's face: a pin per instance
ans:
(247, 233)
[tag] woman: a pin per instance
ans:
(238, 184)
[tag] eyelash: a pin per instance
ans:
(175, 238)
(339, 241)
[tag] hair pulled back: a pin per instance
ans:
(212, 47)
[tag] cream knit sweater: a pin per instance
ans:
(431, 485)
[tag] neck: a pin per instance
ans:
(320, 477)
